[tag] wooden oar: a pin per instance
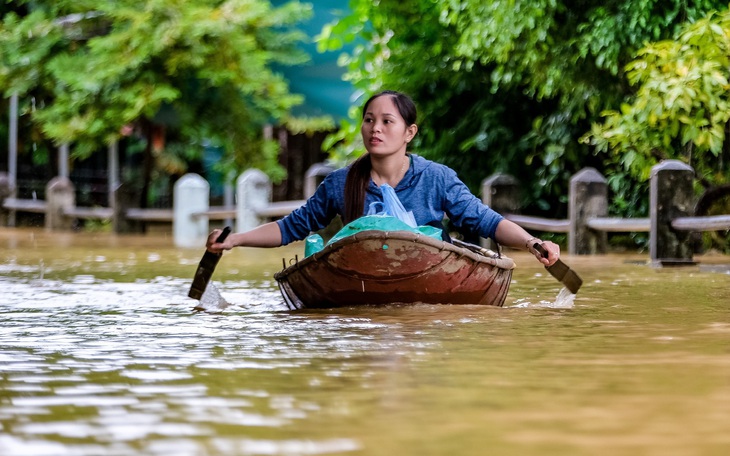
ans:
(206, 267)
(561, 271)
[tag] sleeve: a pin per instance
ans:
(316, 213)
(465, 210)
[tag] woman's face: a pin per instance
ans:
(384, 131)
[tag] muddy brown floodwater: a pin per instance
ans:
(101, 354)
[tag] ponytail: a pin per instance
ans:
(356, 184)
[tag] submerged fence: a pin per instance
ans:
(190, 214)
(669, 224)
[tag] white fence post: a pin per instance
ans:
(253, 192)
(314, 176)
(191, 194)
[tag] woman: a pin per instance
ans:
(430, 190)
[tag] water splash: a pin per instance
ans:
(564, 300)
(211, 300)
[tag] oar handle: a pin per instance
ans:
(540, 249)
(561, 271)
(224, 234)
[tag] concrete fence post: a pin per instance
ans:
(60, 197)
(314, 176)
(229, 200)
(6, 190)
(588, 198)
(125, 196)
(501, 192)
(671, 196)
(253, 192)
(191, 194)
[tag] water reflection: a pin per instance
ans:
(101, 352)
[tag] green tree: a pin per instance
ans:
(681, 107)
(203, 68)
(509, 85)
(681, 110)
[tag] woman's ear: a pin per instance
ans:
(411, 132)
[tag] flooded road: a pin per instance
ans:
(102, 354)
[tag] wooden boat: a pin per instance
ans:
(391, 267)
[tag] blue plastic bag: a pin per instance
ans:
(388, 215)
(392, 206)
(383, 223)
(313, 244)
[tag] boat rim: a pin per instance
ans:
(501, 262)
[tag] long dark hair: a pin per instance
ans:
(358, 177)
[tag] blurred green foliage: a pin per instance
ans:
(200, 68)
(681, 106)
(507, 85)
(680, 110)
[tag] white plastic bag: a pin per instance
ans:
(392, 206)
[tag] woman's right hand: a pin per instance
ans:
(217, 247)
(552, 249)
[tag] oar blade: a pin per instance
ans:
(566, 276)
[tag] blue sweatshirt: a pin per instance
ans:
(431, 190)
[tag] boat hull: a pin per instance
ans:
(380, 267)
